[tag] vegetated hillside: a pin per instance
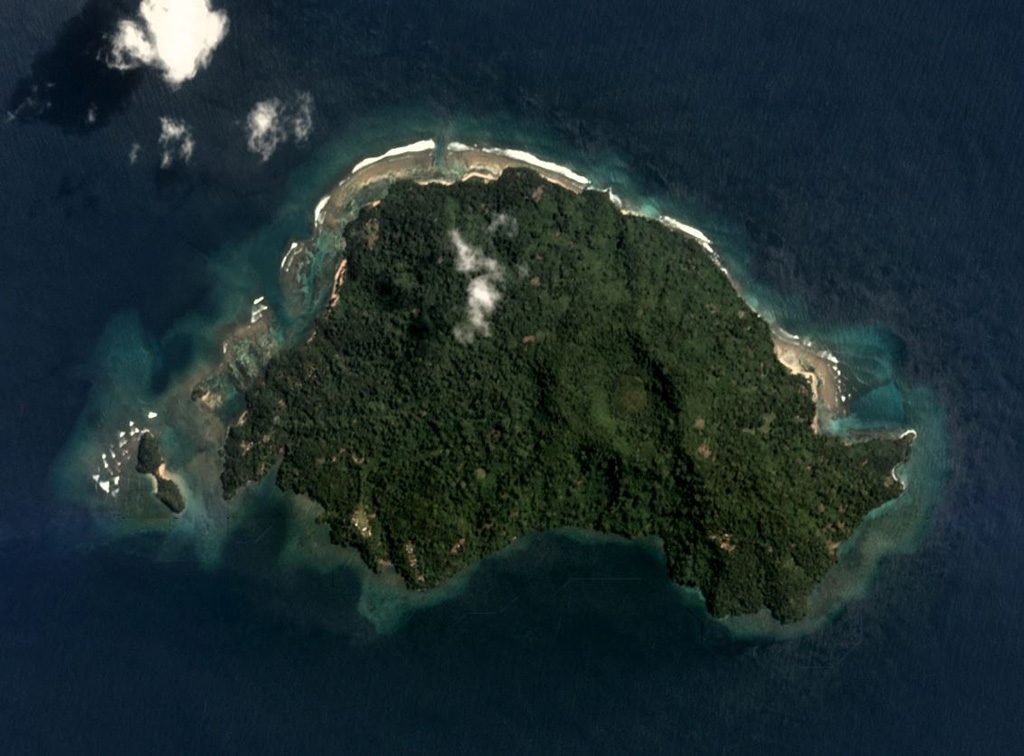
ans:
(605, 375)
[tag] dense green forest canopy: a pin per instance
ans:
(508, 357)
(150, 460)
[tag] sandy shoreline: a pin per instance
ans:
(458, 162)
(421, 162)
(820, 372)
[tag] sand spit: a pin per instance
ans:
(478, 154)
(393, 165)
(489, 162)
(425, 145)
(803, 359)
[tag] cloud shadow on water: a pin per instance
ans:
(71, 86)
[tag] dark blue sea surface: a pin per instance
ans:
(858, 165)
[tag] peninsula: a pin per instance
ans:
(504, 355)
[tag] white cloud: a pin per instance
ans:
(176, 36)
(265, 130)
(176, 142)
(272, 122)
(302, 119)
(482, 293)
(503, 222)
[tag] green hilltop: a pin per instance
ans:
(605, 376)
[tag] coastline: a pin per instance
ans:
(821, 373)
(427, 162)
(211, 519)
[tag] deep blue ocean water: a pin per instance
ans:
(857, 163)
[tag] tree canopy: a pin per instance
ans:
(508, 357)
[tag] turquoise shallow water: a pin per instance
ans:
(130, 360)
(857, 165)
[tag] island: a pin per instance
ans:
(501, 356)
(150, 460)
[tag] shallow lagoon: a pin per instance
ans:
(210, 529)
(866, 165)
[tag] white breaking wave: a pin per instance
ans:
(258, 308)
(176, 142)
(614, 198)
(176, 36)
(696, 233)
(525, 157)
(421, 146)
(272, 122)
(482, 293)
(318, 212)
(292, 249)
